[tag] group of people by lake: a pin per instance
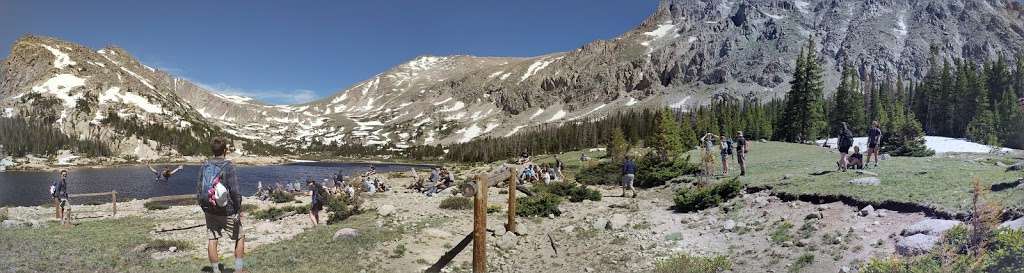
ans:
(536, 173)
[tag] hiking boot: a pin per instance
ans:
(634, 195)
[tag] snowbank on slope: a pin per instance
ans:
(937, 143)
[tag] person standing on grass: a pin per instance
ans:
(60, 192)
(845, 142)
(559, 165)
(708, 157)
(316, 202)
(742, 148)
(874, 142)
(725, 151)
(221, 201)
(628, 175)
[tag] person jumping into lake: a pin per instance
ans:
(163, 176)
(845, 141)
(742, 148)
(874, 142)
(628, 175)
(221, 202)
(725, 152)
(316, 202)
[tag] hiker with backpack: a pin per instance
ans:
(874, 142)
(845, 142)
(628, 175)
(163, 176)
(59, 191)
(742, 148)
(316, 201)
(221, 202)
(725, 152)
(708, 156)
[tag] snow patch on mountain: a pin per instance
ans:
(140, 78)
(113, 94)
(664, 31)
(557, 116)
(60, 59)
(631, 101)
(469, 133)
(8, 112)
(802, 6)
(515, 130)
(537, 66)
(234, 99)
(939, 144)
(458, 106)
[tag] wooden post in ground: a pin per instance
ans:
(511, 225)
(113, 200)
(480, 226)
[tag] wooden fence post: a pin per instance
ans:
(113, 197)
(511, 225)
(480, 226)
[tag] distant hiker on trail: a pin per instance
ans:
(165, 174)
(742, 148)
(316, 202)
(628, 175)
(708, 156)
(725, 151)
(874, 142)
(856, 159)
(845, 141)
(221, 202)
(60, 192)
(559, 165)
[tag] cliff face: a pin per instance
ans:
(686, 53)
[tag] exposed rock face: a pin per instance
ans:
(687, 53)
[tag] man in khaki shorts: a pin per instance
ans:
(221, 205)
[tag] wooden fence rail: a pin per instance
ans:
(113, 198)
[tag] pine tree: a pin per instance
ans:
(667, 140)
(804, 117)
(617, 147)
(847, 104)
(983, 127)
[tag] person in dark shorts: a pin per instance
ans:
(845, 142)
(226, 218)
(874, 142)
(60, 192)
(316, 201)
(628, 175)
(856, 159)
(742, 148)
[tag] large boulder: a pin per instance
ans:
(600, 223)
(385, 210)
(868, 210)
(916, 244)
(507, 241)
(345, 234)
(618, 221)
(866, 181)
(933, 227)
(1017, 224)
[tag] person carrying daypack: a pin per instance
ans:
(742, 148)
(219, 197)
(60, 192)
(845, 142)
(628, 175)
(725, 152)
(316, 201)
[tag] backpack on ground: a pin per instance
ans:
(212, 195)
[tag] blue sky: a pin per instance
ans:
(297, 51)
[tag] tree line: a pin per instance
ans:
(20, 137)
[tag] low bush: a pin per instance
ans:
(574, 192)
(152, 205)
(165, 245)
(457, 203)
(651, 171)
(249, 207)
(684, 263)
(281, 197)
(703, 197)
(276, 212)
(541, 204)
(494, 209)
(1002, 253)
(342, 207)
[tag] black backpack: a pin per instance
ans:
(728, 147)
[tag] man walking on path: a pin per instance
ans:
(874, 142)
(742, 148)
(221, 201)
(628, 175)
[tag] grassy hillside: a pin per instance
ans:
(942, 183)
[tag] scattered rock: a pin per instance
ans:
(884, 157)
(934, 227)
(346, 233)
(385, 210)
(881, 214)
(867, 210)
(823, 207)
(761, 201)
(787, 176)
(802, 243)
(1014, 224)
(522, 229)
(600, 223)
(916, 244)
(12, 224)
(507, 241)
(866, 181)
(172, 249)
(618, 221)
(1015, 167)
(845, 269)
(437, 233)
(729, 225)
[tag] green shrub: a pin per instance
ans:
(494, 209)
(152, 205)
(801, 262)
(249, 207)
(652, 171)
(602, 173)
(575, 192)
(1007, 251)
(683, 263)
(541, 204)
(703, 197)
(1003, 253)
(164, 245)
(275, 212)
(342, 207)
(281, 197)
(457, 203)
